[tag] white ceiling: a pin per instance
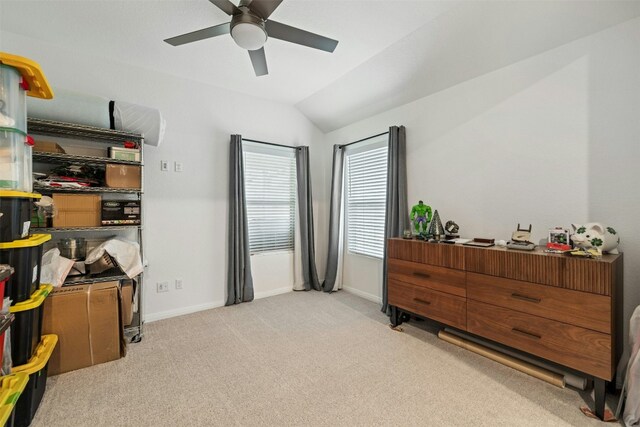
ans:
(133, 32)
(390, 52)
(473, 39)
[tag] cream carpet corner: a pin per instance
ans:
(302, 359)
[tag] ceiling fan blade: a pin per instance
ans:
(259, 61)
(264, 8)
(298, 36)
(205, 33)
(226, 6)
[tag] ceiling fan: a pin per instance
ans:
(250, 27)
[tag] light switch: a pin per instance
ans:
(164, 165)
(178, 166)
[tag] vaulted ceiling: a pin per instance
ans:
(390, 52)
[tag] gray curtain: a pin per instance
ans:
(305, 209)
(239, 279)
(396, 216)
(334, 220)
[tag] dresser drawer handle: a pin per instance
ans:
(421, 301)
(526, 298)
(423, 275)
(525, 333)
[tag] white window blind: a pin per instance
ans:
(270, 187)
(366, 194)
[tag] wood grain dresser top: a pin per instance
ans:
(539, 250)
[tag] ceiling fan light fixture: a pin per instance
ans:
(248, 35)
(250, 27)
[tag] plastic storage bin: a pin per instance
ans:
(5, 322)
(11, 387)
(35, 82)
(15, 161)
(37, 369)
(13, 99)
(5, 273)
(26, 331)
(25, 257)
(15, 214)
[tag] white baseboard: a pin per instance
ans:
(362, 294)
(208, 306)
(152, 317)
(272, 292)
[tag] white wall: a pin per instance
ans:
(186, 213)
(551, 140)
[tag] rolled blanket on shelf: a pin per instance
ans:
(90, 110)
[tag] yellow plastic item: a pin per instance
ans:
(36, 300)
(31, 72)
(11, 386)
(33, 240)
(19, 194)
(40, 357)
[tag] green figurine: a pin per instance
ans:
(420, 214)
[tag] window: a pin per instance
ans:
(270, 187)
(366, 194)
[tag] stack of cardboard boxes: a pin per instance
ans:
(89, 321)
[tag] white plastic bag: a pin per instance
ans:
(126, 254)
(140, 119)
(55, 268)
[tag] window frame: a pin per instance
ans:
(284, 152)
(374, 143)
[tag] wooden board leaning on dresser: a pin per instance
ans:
(566, 310)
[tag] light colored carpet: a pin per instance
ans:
(306, 359)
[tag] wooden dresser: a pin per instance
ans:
(566, 310)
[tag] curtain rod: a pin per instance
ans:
(271, 143)
(364, 139)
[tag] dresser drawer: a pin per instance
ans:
(450, 256)
(534, 267)
(583, 309)
(578, 348)
(428, 276)
(445, 308)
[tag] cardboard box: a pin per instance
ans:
(123, 176)
(47, 147)
(88, 322)
(120, 212)
(126, 290)
(76, 210)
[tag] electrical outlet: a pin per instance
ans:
(178, 166)
(178, 283)
(162, 286)
(164, 165)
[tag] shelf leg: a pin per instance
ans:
(600, 392)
